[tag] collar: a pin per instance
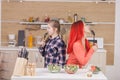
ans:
(55, 38)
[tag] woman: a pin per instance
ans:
(79, 49)
(54, 49)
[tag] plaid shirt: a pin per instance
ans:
(54, 51)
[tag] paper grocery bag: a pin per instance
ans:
(19, 69)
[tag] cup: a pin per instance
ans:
(38, 40)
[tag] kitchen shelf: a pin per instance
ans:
(43, 23)
(100, 23)
(37, 23)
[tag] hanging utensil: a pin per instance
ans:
(93, 33)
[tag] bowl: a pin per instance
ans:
(54, 68)
(95, 69)
(71, 68)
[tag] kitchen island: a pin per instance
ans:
(45, 74)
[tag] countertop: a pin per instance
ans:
(44, 74)
(17, 48)
(36, 49)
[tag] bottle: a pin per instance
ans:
(75, 17)
(30, 40)
(69, 18)
(83, 19)
(47, 18)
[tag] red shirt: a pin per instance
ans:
(79, 56)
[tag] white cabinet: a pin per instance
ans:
(8, 59)
(99, 59)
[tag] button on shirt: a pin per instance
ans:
(54, 51)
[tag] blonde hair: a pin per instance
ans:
(55, 24)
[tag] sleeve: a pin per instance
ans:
(82, 56)
(62, 53)
(42, 51)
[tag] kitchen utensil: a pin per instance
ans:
(93, 33)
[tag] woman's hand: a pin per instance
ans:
(42, 43)
(95, 47)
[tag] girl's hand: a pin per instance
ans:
(42, 44)
(95, 47)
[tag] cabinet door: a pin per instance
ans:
(8, 59)
(99, 59)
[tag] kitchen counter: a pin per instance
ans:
(36, 49)
(17, 48)
(44, 74)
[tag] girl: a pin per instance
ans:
(79, 50)
(54, 49)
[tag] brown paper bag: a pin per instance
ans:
(19, 69)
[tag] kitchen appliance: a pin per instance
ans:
(21, 38)
(94, 40)
(11, 41)
(98, 40)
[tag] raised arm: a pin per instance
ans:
(82, 56)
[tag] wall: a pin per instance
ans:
(113, 71)
(13, 12)
(0, 22)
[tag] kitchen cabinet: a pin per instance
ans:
(8, 58)
(99, 59)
